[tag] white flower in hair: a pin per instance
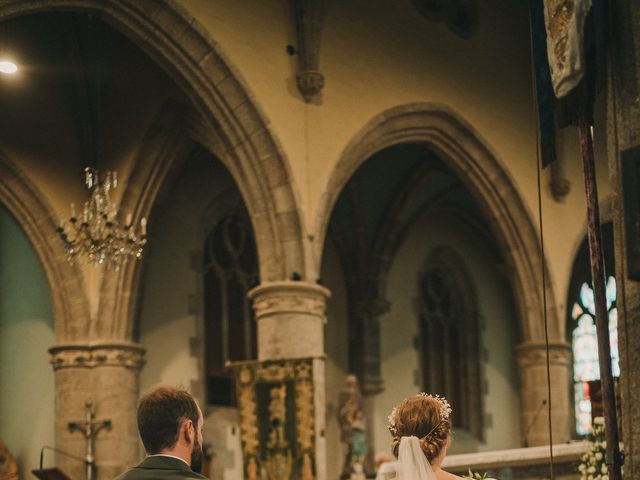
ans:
(391, 419)
(445, 408)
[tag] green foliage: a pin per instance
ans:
(476, 475)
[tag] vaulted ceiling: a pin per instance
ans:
(84, 93)
(390, 191)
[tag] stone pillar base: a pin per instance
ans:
(532, 363)
(290, 318)
(106, 374)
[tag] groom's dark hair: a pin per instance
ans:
(161, 413)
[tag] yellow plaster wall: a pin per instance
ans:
(378, 54)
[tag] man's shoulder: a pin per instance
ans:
(160, 468)
(137, 473)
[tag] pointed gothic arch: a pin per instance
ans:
(469, 157)
(229, 123)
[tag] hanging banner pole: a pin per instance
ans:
(613, 457)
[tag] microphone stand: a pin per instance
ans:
(53, 473)
(57, 450)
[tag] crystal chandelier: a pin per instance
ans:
(97, 237)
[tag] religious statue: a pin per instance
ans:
(277, 417)
(279, 462)
(352, 424)
(252, 469)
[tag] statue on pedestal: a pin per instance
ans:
(352, 425)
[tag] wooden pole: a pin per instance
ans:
(613, 457)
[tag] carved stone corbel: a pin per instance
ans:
(308, 16)
(559, 185)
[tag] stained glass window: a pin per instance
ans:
(585, 348)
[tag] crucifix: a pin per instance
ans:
(90, 428)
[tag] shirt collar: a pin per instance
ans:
(172, 456)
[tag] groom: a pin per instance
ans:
(170, 424)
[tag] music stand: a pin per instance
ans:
(50, 474)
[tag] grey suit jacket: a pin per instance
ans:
(160, 468)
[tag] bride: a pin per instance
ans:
(421, 433)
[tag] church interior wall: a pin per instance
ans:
(381, 58)
(26, 332)
(376, 55)
(399, 329)
(373, 58)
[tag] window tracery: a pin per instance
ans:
(230, 269)
(585, 349)
(449, 334)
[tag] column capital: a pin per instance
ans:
(97, 354)
(276, 298)
(535, 354)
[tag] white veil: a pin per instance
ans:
(413, 464)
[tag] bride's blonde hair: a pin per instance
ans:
(421, 416)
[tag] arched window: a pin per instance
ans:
(581, 332)
(586, 370)
(449, 336)
(230, 270)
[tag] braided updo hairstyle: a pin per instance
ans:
(420, 416)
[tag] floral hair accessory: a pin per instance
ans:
(445, 408)
(445, 411)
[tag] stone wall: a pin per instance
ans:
(623, 125)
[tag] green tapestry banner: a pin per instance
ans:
(277, 418)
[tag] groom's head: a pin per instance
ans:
(170, 422)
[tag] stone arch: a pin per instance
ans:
(176, 41)
(228, 122)
(463, 150)
(36, 218)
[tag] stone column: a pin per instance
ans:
(106, 374)
(368, 365)
(623, 132)
(290, 318)
(532, 363)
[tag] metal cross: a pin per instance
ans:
(90, 428)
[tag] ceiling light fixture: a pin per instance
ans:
(8, 67)
(97, 236)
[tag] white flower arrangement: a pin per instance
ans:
(592, 465)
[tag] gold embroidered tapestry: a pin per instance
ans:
(277, 418)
